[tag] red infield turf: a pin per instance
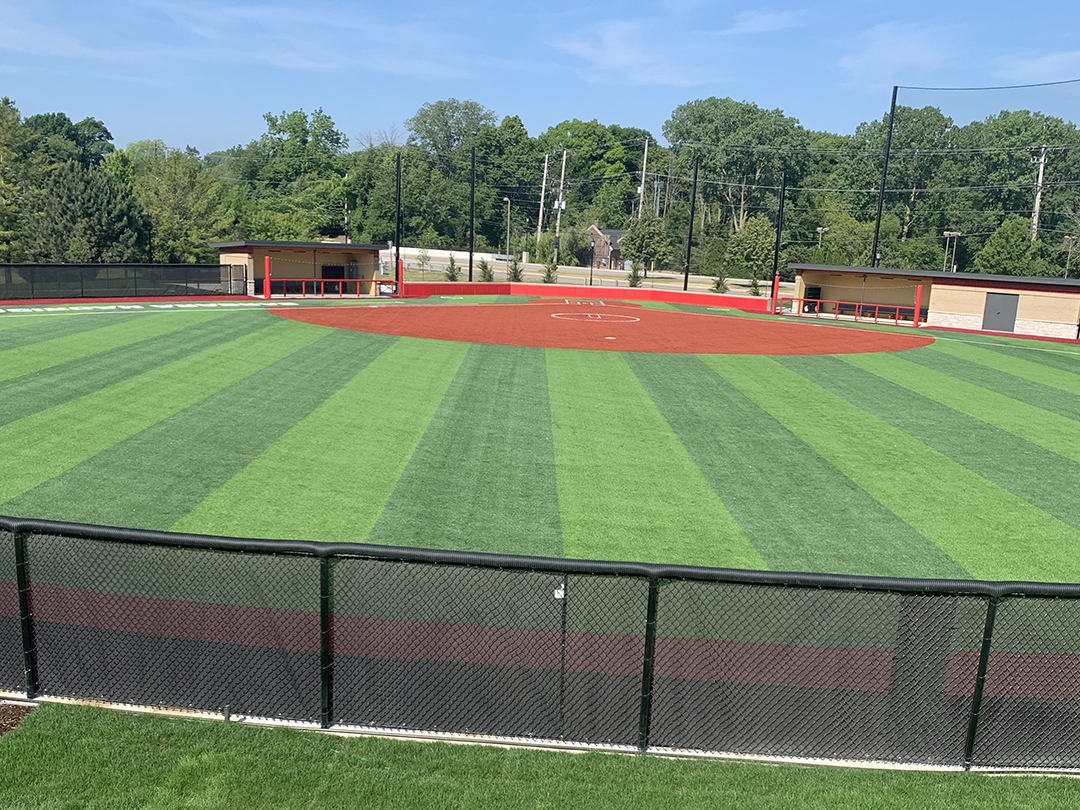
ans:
(605, 326)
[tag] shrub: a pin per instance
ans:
(719, 284)
(755, 287)
(513, 269)
(551, 273)
(634, 278)
(452, 271)
(486, 273)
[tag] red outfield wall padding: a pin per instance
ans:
(607, 327)
(425, 289)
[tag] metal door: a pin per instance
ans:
(1000, 312)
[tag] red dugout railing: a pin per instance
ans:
(862, 312)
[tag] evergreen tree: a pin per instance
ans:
(85, 215)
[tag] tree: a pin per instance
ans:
(452, 269)
(749, 252)
(443, 127)
(551, 273)
(646, 241)
(1011, 251)
(634, 277)
(85, 215)
(486, 273)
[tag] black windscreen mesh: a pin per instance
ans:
(776, 671)
(11, 654)
(178, 628)
(442, 648)
(1030, 714)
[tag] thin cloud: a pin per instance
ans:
(1050, 67)
(893, 50)
(765, 22)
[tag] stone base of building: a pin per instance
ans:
(1055, 329)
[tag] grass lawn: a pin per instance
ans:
(73, 756)
(953, 460)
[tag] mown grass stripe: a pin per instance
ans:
(1040, 477)
(483, 477)
(157, 476)
(24, 331)
(52, 386)
(1055, 355)
(987, 530)
(329, 477)
(53, 352)
(41, 446)
(1037, 395)
(1027, 369)
(1055, 433)
(800, 511)
(628, 490)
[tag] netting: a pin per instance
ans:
(180, 628)
(11, 658)
(117, 280)
(747, 663)
(1030, 715)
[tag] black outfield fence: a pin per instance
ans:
(119, 280)
(663, 658)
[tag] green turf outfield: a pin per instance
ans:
(961, 459)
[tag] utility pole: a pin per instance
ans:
(641, 188)
(560, 205)
(1038, 196)
(884, 176)
(656, 184)
(543, 188)
(690, 236)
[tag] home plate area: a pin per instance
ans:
(605, 326)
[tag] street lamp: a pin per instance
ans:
(950, 235)
(592, 259)
(821, 232)
(507, 201)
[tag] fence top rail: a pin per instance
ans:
(475, 559)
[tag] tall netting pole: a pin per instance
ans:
(398, 271)
(266, 278)
(884, 176)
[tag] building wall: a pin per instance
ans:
(887, 290)
(302, 263)
(1038, 312)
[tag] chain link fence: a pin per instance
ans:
(668, 659)
(119, 280)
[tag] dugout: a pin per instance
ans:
(1022, 305)
(296, 267)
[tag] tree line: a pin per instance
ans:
(68, 194)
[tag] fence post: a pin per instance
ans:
(25, 619)
(186, 291)
(325, 653)
(647, 667)
(980, 681)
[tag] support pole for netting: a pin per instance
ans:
(472, 211)
(884, 176)
(690, 236)
(26, 619)
(266, 278)
(645, 718)
(397, 231)
(918, 305)
(776, 249)
(326, 662)
(980, 682)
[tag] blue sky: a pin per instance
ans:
(203, 73)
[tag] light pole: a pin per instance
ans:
(507, 201)
(592, 259)
(820, 232)
(950, 235)
(1071, 242)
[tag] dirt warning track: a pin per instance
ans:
(605, 327)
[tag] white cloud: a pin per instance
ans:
(1050, 67)
(891, 51)
(765, 22)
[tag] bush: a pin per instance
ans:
(513, 270)
(755, 287)
(719, 284)
(452, 271)
(634, 278)
(551, 273)
(486, 273)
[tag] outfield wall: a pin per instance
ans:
(420, 289)
(481, 647)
